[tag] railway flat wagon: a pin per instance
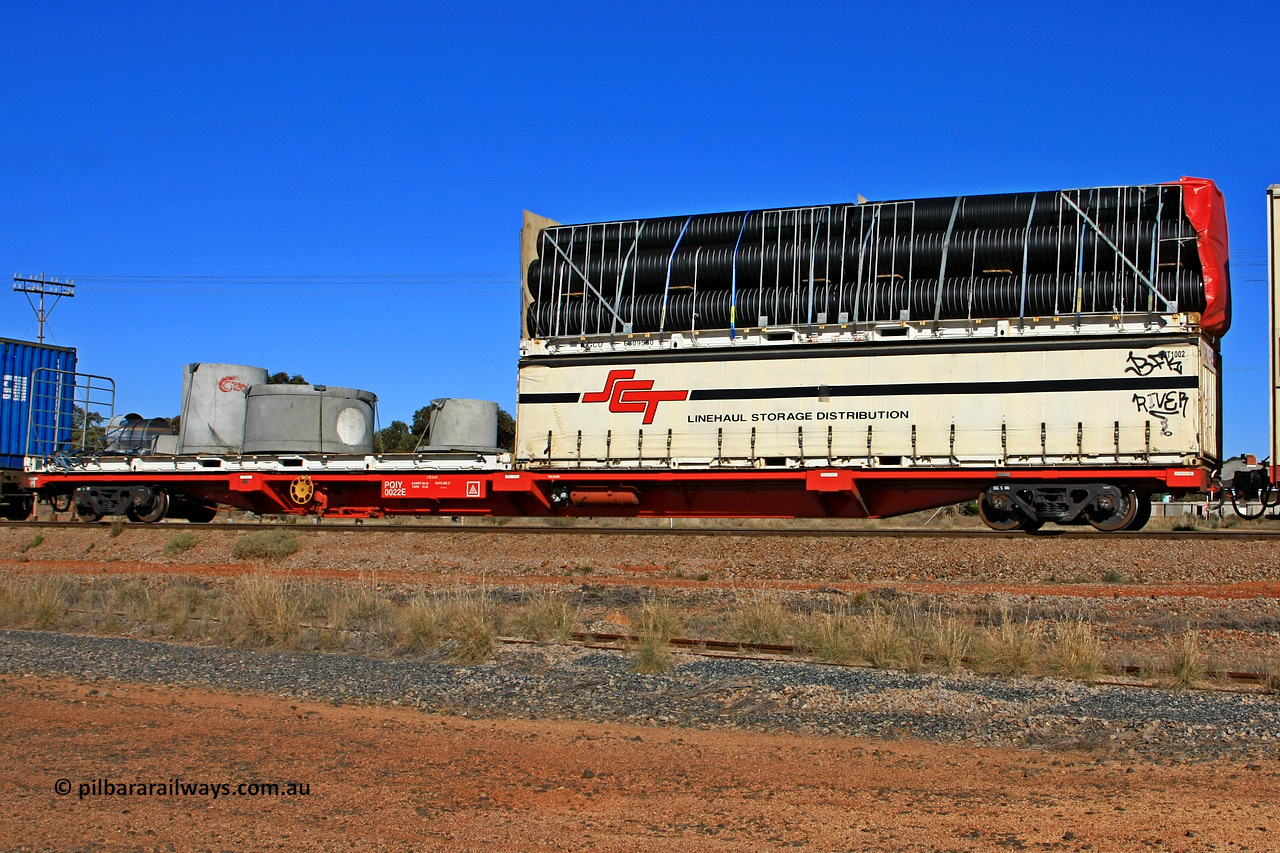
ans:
(1053, 355)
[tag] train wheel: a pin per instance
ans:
(18, 510)
(154, 511)
(1031, 525)
(1144, 514)
(201, 514)
(87, 513)
(1121, 517)
(1002, 520)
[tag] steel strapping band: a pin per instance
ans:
(942, 274)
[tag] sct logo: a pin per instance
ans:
(624, 394)
(231, 383)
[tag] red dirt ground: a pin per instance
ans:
(394, 779)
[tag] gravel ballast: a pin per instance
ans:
(561, 682)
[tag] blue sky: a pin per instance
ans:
(336, 191)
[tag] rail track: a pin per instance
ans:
(347, 526)
(737, 650)
(742, 650)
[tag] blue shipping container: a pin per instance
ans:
(19, 360)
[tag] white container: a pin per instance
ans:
(213, 406)
(1033, 402)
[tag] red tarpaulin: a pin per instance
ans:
(1207, 211)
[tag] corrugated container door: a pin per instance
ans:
(18, 362)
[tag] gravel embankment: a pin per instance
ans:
(724, 558)
(569, 683)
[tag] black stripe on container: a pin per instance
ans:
(1033, 386)
(548, 398)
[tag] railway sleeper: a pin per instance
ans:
(1027, 506)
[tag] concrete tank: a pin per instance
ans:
(463, 424)
(309, 419)
(213, 406)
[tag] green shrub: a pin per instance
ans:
(265, 545)
(180, 544)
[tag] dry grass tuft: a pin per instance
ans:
(47, 600)
(1269, 667)
(1075, 651)
(11, 595)
(546, 616)
(1184, 664)
(1010, 648)
(472, 622)
(949, 642)
(264, 612)
(656, 624)
(883, 643)
(265, 545)
(760, 621)
(836, 638)
(117, 527)
(421, 625)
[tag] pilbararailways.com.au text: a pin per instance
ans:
(179, 787)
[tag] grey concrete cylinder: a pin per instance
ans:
(312, 419)
(463, 424)
(213, 406)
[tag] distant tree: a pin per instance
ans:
(421, 421)
(283, 378)
(176, 423)
(506, 431)
(87, 426)
(394, 439)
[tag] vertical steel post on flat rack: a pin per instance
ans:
(1273, 344)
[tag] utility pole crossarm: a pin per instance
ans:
(43, 287)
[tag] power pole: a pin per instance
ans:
(44, 287)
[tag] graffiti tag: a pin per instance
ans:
(1163, 405)
(1145, 365)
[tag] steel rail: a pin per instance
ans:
(737, 650)
(773, 651)
(350, 525)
